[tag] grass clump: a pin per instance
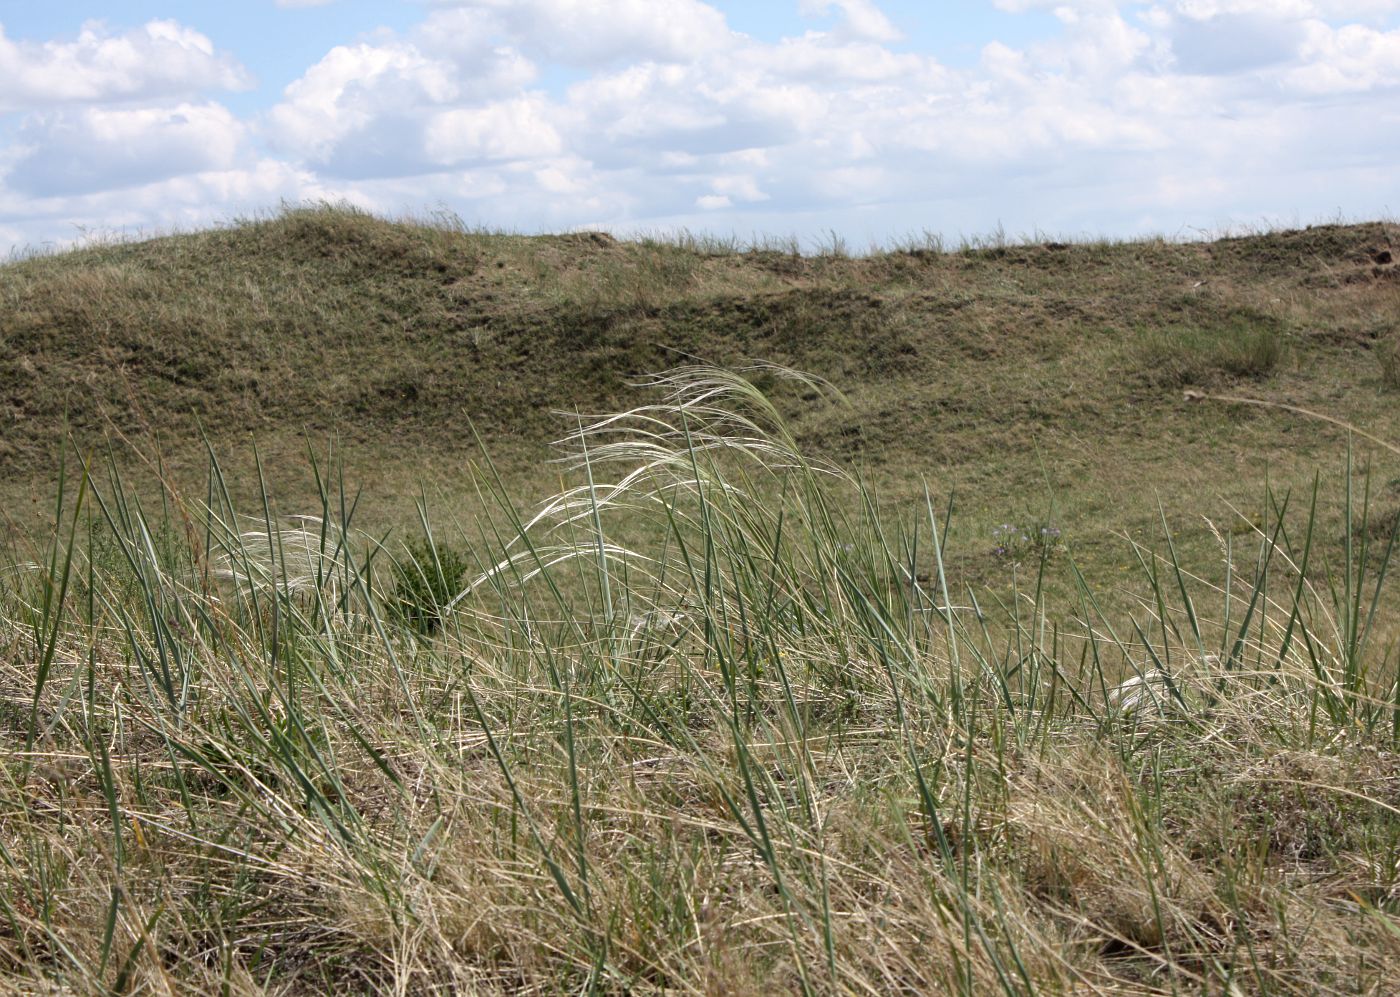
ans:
(1192, 355)
(1388, 362)
(710, 719)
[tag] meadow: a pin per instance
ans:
(397, 607)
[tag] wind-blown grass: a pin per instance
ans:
(707, 721)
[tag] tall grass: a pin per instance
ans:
(707, 720)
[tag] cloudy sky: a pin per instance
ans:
(875, 119)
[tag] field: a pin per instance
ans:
(400, 607)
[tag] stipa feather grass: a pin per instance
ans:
(708, 722)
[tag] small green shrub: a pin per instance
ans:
(426, 578)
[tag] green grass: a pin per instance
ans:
(1243, 347)
(741, 695)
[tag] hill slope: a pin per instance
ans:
(1005, 371)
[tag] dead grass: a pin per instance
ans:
(749, 754)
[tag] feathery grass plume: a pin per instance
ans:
(302, 553)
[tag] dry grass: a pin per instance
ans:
(673, 739)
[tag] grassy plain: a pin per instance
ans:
(773, 683)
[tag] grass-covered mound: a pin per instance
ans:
(999, 367)
(709, 719)
(1040, 384)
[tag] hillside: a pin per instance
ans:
(1021, 376)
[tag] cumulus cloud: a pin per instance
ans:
(1350, 58)
(1125, 115)
(160, 59)
(860, 19)
(352, 87)
(103, 148)
(576, 32)
(508, 130)
(1060, 7)
(649, 110)
(676, 113)
(1205, 9)
(1292, 44)
(381, 110)
(588, 33)
(1095, 43)
(816, 56)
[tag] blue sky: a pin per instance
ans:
(872, 119)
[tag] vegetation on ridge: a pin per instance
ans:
(1013, 374)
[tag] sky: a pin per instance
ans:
(869, 120)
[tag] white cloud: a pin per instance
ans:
(1350, 58)
(819, 121)
(590, 33)
(303, 3)
(179, 203)
(461, 34)
(742, 187)
(815, 56)
(1290, 43)
(569, 176)
(1205, 9)
(103, 148)
(1187, 111)
(861, 19)
(1095, 44)
(513, 129)
(379, 110)
(351, 88)
(160, 59)
(1062, 8)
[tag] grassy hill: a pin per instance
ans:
(1038, 382)
(1048, 644)
(328, 320)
